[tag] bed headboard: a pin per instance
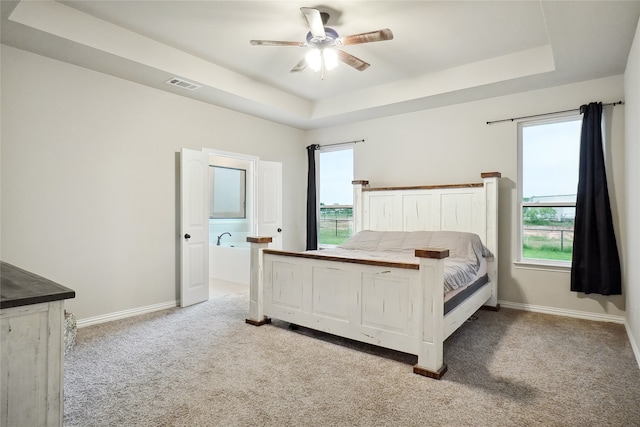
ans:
(455, 207)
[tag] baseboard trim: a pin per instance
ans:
(125, 313)
(634, 344)
(563, 312)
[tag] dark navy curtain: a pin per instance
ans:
(312, 206)
(596, 264)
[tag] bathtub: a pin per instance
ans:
(230, 262)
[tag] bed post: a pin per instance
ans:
(357, 204)
(431, 328)
(491, 239)
(256, 283)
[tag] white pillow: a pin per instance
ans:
(392, 241)
(365, 240)
(461, 245)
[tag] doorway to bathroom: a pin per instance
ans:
(243, 192)
(231, 220)
(254, 209)
(231, 195)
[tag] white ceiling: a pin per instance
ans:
(443, 52)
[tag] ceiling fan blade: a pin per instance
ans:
(372, 36)
(352, 61)
(276, 43)
(300, 66)
(314, 19)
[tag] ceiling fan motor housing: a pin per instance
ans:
(331, 36)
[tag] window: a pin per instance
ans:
(228, 192)
(335, 172)
(549, 161)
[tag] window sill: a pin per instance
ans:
(542, 265)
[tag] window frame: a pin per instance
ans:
(520, 260)
(241, 213)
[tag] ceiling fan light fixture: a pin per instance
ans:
(330, 59)
(313, 59)
(316, 57)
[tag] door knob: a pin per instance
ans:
(279, 230)
(187, 236)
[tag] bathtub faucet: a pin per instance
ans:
(220, 236)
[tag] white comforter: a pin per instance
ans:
(464, 265)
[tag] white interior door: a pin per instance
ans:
(194, 227)
(270, 202)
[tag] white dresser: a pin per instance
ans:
(32, 349)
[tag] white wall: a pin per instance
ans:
(631, 273)
(454, 144)
(89, 176)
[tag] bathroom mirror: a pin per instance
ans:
(228, 192)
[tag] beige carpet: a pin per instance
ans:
(203, 366)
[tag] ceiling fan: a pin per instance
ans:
(325, 43)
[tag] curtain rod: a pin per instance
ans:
(549, 114)
(318, 146)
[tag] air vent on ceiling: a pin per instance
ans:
(183, 83)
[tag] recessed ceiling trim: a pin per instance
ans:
(65, 22)
(503, 68)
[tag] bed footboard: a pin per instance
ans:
(393, 306)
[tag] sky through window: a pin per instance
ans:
(336, 174)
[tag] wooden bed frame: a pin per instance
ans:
(393, 305)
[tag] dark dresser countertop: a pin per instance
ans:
(19, 287)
